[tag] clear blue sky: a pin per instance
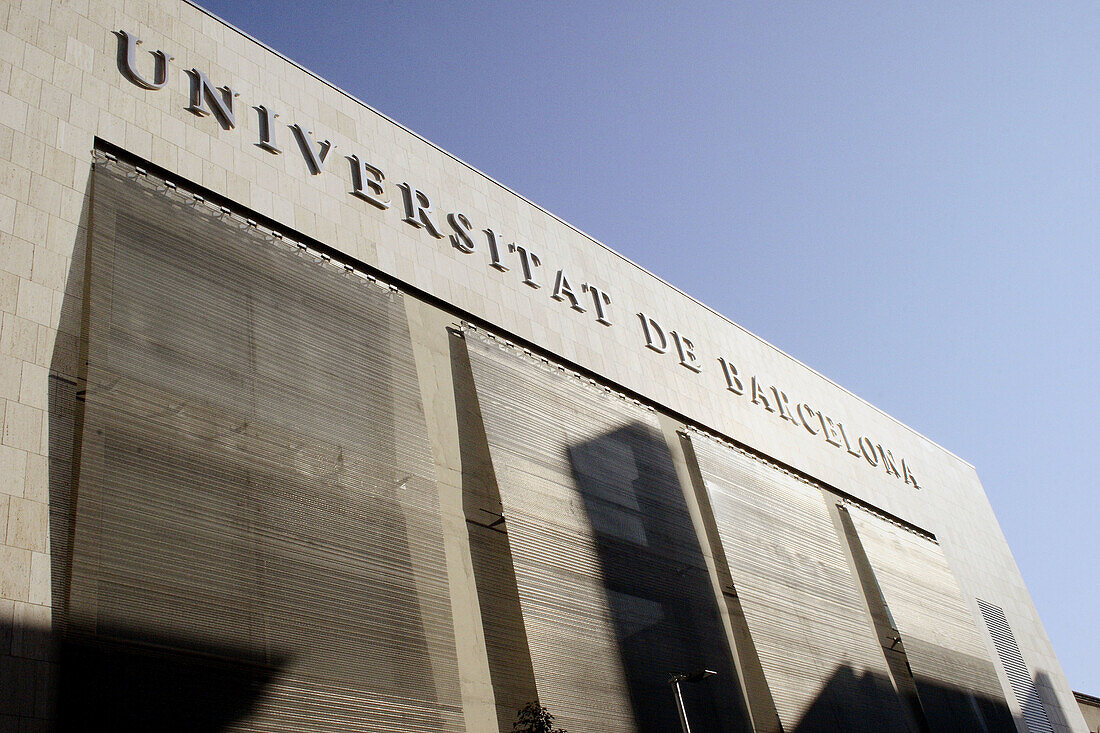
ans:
(903, 195)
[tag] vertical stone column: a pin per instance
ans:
(431, 349)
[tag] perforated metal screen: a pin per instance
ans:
(955, 679)
(257, 539)
(815, 639)
(612, 582)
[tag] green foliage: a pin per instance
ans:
(534, 718)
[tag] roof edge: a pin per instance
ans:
(579, 231)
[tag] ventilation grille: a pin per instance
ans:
(1035, 715)
(257, 539)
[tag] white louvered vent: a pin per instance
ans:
(1035, 715)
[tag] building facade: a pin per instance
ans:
(308, 425)
(1090, 709)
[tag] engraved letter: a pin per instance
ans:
(888, 461)
(202, 91)
(602, 301)
(315, 157)
(418, 210)
(733, 381)
(494, 251)
(528, 261)
(127, 61)
(783, 404)
(805, 414)
(831, 434)
(909, 477)
(758, 396)
(848, 445)
(267, 129)
(366, 181)
(867, 448)
(461, 239)
(653, 329)
(686, 348)
(563, 291)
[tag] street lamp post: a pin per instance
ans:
(674, 682)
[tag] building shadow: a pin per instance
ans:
(1047, 701)
(829, 713)
(662, 603)
(59, 677)
(69, 683)
(126, 686)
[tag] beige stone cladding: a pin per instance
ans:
(61, 88)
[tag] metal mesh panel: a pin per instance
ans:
(948, 659)
(804, 611)
(1027, 694)
(612, 582)
(257, 535)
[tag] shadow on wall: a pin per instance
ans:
(191, 588)
(130, 687)
(823, 716)
(56, 679)
(1048, 702)
(506, 646)
(663, 604)
(664, 612)
(127, 686)
(75, 683)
